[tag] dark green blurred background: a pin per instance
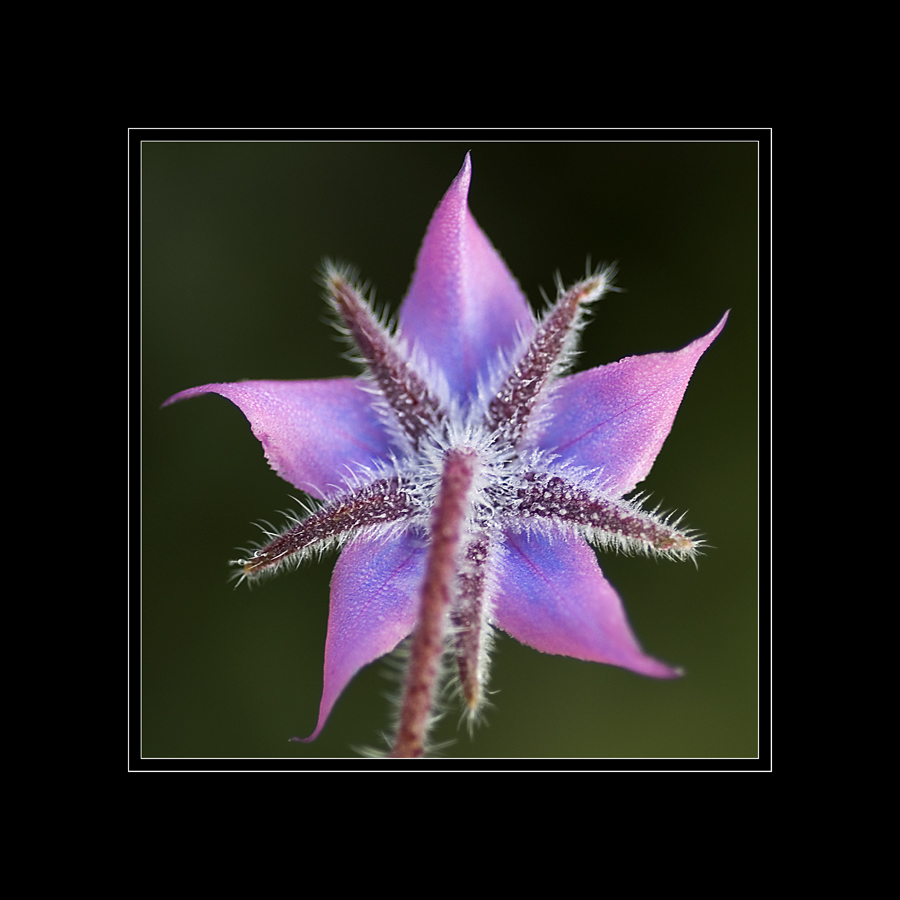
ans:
(233, 234)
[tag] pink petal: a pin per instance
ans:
(617, 416)
(463, 305)
(553, 597)
(374, 603)
(314, 433)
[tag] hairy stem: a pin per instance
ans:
(437, 593)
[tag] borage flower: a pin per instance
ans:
(465, 475)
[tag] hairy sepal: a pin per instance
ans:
(382, 508)
(551, 500)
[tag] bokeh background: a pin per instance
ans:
(232, 236)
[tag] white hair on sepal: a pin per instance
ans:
(686, 543)
(406, 355)
(570, 499)
(360, 475)
(601, 277)
(424, 366)
(317, 546)
(504, 360)
(333, 270)
(475, 716)
(331, 273)
(515, 360)
(296, 558)
(418, 362)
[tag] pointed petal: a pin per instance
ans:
(463, 305)
(314, 433)
(374, 604)
(616, 417)
(553, 597)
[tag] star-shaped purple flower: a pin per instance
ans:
(465, 476)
